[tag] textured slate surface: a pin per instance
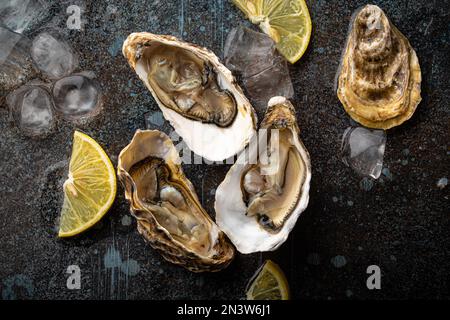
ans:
(402, 224)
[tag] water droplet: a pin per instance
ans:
(338, 261)
(442, 183)
(126, 220)
(130, 267)
(387, 173)
(366, 184)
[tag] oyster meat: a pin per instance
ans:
(168, 212)
(264, 192)
(379, 79)
(195, 92)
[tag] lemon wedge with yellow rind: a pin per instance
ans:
(287, 22)
(90, 188)
(269, 284)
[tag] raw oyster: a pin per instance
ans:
(168, 212)
(379, 80)
(195, 92)
(264, 192)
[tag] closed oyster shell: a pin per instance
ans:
(168, 212)
(195, 92)
(379, 80)
(263, 194)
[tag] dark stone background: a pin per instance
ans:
(402, 224)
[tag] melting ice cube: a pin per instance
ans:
(363, 150)
(274, 81)
(17, 15)
(249, 52)
(264, 72)
(53, 56)
(15, 60)
(31, 107)
(76, 97)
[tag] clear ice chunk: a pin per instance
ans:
(269, 83)
(19, 15)
(31, 107)
(248, 52)
(363, 150)
(76, 97)
(15, 60)
(52, 56)
(253, 56)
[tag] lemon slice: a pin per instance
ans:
(269, 284)
(90, 188)
(287, 22)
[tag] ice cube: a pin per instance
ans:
(274, 81)
(54, 57)
(264, 72)
(15, 60)
(76, 97)
(248, 52)
(363, 150)
(17, 15)
(31, 107)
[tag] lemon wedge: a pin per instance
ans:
(90, 188)
(287, 22)
(269, 284)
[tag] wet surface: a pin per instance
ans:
(399, 222)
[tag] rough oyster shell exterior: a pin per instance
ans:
(379, 79)
(153, 143)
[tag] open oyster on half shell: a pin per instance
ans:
(379, 79)
(264, 192)
(195, 92)
(168, 212)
